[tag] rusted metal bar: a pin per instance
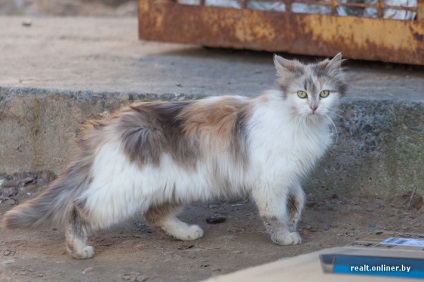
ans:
(311, 34)
(379, 7)
(420, 11)
(334, 4)
(361, 5)
(243, 4)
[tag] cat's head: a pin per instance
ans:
(312, 90)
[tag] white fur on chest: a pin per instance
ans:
(282, 148)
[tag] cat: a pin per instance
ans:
(155, 157)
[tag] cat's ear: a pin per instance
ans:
(285, 67)
(336, 63)
(333, 67)
(335, 70)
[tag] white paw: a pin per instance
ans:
(186, 232)
(194, 232)
(292, 238)
(86, 253)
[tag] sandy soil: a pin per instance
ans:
(135, 252)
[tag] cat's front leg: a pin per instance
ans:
(273, 209)
(295, 204)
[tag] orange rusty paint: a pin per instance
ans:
(309, 34)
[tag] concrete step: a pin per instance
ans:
(58, 72)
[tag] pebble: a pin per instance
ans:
(215, 220)
(369, 210)
(12, 202)
(142, 278)
(8, 253)
(88, 269)
(185, 247)
(9, 192)
(126, 277)
(27, 22)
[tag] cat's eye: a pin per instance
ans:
(302, 94)
(324, 93)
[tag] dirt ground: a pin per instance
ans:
(135, 252)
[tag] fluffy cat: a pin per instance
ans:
(155, 157)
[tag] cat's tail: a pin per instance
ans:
(53, 205)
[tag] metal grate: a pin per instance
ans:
(388, 9)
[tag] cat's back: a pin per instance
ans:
(183, 130)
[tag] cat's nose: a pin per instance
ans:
(313, 108)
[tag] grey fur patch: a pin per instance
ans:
(239, 144)
(148, 130)
(293, 206)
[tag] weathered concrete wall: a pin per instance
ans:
(38, 127)
(378, 150)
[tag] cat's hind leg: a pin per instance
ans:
(76, 235)
(164, 217)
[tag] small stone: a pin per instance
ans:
(126, 277)
(12, 202)
(215, 220)
(330, 207)
(88, 269)
(372, 227)
(185, 247)
(369, 210)
(27, 22)
(142, 278)
(179, 85)
(10, 192)
(334, 196)
(8, 253)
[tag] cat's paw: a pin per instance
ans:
(193, 232)
(187, 233)
(86, 253)
(292, 238)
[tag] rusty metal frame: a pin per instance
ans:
(400, 41)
